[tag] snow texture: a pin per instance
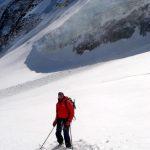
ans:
(77, 145)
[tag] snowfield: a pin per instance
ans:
(110, 84)
(112, 108)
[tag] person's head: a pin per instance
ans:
(60, 95)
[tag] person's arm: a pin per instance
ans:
(71, 112)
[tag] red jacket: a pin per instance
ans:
(64, 109)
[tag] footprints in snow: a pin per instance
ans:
(78, 145)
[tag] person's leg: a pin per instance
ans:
(59, 130)
(67, 136)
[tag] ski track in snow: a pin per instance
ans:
(32, 84)
(10, 91)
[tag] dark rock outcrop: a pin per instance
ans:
(13, 20)
(115, 30)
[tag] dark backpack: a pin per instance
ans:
(73, 103)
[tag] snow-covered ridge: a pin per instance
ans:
(12, 18)
(19, 53)
(96, 23)
(17, 18)
(137, 21)
(123, 34)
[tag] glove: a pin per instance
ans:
(67, 123)
(54, 123)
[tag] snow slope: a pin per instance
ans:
(112, 94)
(19, 53)
(112, 108)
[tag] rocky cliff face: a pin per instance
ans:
(114, 30)
(13, 19)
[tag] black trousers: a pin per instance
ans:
(61, 126)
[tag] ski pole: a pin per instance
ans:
(71, 137)
(47, 138)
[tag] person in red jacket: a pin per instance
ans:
(64, 116)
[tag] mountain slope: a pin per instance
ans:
(18, 18)
(112, 108)
(110, 82)
(37, 54)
